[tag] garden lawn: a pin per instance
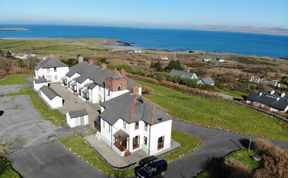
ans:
(77, 145)
(244, 156)
(216, 113)
(6, 171)
(14, 79)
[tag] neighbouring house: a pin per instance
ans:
(51, 69)
(129, 123)
(50, 97)
(276, 101)
(24, 56)
(217, 59)
(258, 80)
(206, 81)
(77, 118)
(95, 84)
(183, 74)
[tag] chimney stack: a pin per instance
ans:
(80, 59)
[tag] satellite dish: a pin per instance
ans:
(1, 113)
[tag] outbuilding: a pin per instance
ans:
(50, 97)
(77, 118)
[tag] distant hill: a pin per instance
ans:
(14, 29)
(245, 29)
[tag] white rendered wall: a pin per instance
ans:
(37, 86)
(49, 74)
(75, 122)
(57, 102)
(158, 130)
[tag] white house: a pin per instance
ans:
(51, 69)
(95, 84)
(129, 123)
(77, 118)
(50, 97)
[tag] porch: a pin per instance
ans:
(117, 161)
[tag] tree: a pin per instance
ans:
(284, 80)
(157, 66)
(175, 65)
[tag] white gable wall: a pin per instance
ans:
(50, 74)
(56, 102)
(75, 122)
(158, 130)
(37, 86)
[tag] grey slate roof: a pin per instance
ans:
(182, 74)
(207, 81)
(272, 100)
(41, 80)
(78, 113)
(49, 62)
(121, 107)
(95, 73)
(49, 92)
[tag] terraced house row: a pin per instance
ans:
(126, 122)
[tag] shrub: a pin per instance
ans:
(275, 160)
(237, 169)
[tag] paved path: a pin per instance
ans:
(73, 102)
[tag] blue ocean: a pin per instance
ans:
(164, 39)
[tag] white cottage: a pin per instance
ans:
(77, 118)
(50, 97)
(94, 84)
(51, 69)
(129, 123)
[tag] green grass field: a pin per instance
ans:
(15, 79)
(216, 113)
(77, 145)
(6, 171)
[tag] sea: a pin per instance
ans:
(164, 39)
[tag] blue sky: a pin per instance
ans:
(154, 13)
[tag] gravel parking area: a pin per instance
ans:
(6, 89)
(21, 125)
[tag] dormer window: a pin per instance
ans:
(55, 69)
(48, 70)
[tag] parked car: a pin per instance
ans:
(144, 161)
(151, 167)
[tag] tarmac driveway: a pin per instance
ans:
(51, 160)
(21, 125)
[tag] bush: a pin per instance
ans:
(237, 169)
(275, 160)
